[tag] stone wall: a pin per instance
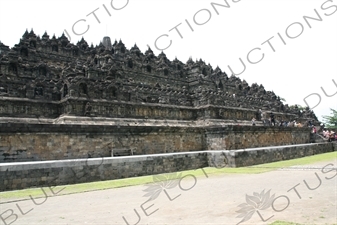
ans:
(244, 158)
(254, 156)
(52, 173)
(21, 175)
(50, 142)
(39, 108)
(35, 142)
(18, 107)
(237, 137)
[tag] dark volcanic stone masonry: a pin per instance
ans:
(59, 100)
(48, 77)
(61, 172)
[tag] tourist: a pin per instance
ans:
(322, 126)
(314, 131)
(327, 134)
(281, 123)
(272, 118)
(253, 121)
(332, 136)
(261, 115)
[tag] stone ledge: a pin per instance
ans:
(61, 172)
(8, 125)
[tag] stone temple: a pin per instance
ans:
(59, 100)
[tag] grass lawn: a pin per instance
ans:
(290, 223)
(101, 185)
(284, 223)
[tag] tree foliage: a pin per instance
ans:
(331, 121)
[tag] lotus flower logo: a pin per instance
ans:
(255, 203)
(162, 182)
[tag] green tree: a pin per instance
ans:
(331, 121)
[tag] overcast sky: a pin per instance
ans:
(299, 55)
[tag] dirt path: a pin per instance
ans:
(202, 200)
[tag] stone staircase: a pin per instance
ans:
(317, 138)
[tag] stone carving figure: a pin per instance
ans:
(87, 109)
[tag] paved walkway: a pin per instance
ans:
(203, 200)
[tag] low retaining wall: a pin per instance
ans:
(254, 156)
(22, 175)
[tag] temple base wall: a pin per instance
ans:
(38, 142)
(61, 172)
